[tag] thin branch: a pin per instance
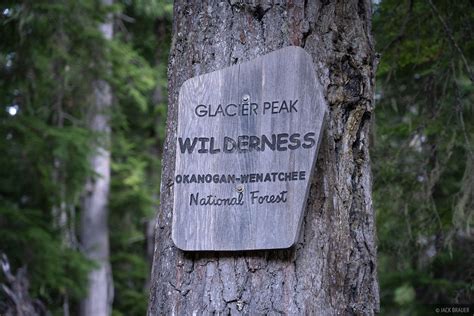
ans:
(126, 18)
(400, 35)
(451, 39)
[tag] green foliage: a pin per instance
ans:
(423, 153)
(29, 240)
(139, 58)
(45, 70)
(161, 9)
(404, 295)
(50, 54)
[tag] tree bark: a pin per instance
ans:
(94, 221)
(18, 301)
(332, 269)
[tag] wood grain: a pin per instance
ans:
(281, 95)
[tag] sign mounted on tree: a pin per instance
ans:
(246, 147)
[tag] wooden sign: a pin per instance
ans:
(246, 147)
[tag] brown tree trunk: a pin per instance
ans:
(94, 221)
(332, 269)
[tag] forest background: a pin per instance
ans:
(51, 54)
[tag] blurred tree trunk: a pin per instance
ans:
(94, 225)
(332, 269)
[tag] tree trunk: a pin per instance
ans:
(332, 269)
(94, 226)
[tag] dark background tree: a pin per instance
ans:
(332, 269)
(423, 154)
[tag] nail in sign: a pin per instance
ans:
(246, 146)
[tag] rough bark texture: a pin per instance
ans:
(332, 269)
(94, 223)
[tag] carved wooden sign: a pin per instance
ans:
(246, 147)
